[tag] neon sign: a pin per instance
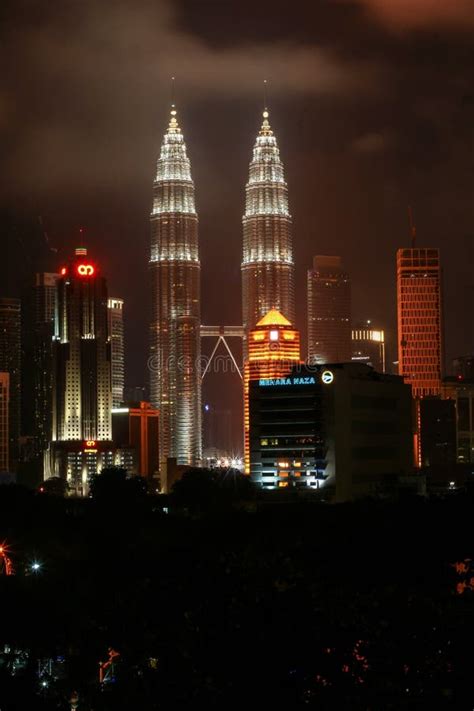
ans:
(85, 269)
(295, 380)
(90, 445)
(327, 377)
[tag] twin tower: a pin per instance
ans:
(267, 278)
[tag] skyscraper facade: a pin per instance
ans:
(39, 305)
(419, 310)
(267, 265)
(82, 391)
(4, 438)
(175, 347)
(81, 429)
(117, 350)
(329, 312)
(273, 349)
(10, 362)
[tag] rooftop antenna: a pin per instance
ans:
(412, 227)
(172, 90)
(265, 103)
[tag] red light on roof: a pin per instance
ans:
(85, 270)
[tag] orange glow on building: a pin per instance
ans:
(273, 349)
(420, 343)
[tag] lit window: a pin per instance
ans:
(274, 335)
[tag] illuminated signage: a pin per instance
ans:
(327, 377)
(90, 445)
(294, 380)
(85, 269)
(63, 271)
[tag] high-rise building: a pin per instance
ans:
(420, 336)
(175, 348)
(10, 362)
(368, 346)
(329, 311)
(341, 428)
(267, 265)
(82, 387)
(4, 411)
(461, 391)
(116, 335)
(137, 426)
(273, 349)
(38, 305)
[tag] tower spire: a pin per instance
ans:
(267, 264)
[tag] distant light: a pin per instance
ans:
(274, 335)
(35, 566)
(63, 271)
(44, 684)
(207, 408)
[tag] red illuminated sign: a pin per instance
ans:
(85, 269)
(90, 443)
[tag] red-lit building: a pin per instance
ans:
(420, 326)
(138, 427)
(273, 348)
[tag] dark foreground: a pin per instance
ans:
(326, 607)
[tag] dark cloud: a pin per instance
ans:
(404, 14)
(80, 81)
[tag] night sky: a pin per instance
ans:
(372, 102)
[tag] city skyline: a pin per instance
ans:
(355, 154)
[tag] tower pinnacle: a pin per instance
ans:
(265, 129)
(173, 126)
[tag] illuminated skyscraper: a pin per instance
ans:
(116, 334)
(420, 341)
(175, 348)
(82, 386)
(329, 312)
(267, 265)
(273, 349)
(10, 353)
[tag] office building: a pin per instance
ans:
(368, 346)
(420, 325)
(137, 426)
(82, 387)
(267, 264)
(329, 311)
(437, 427)
(461, 392)
(4, 412)
(117, 349)
(39, 305)
(273, 349)
(10, 362)
(343, 429)
(175, 346)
